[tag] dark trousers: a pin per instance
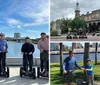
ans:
(27, 61)
(2, 62)
(44, 63)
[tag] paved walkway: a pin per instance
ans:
(15, 79)
(63, 38)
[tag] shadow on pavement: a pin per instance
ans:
(17, 80)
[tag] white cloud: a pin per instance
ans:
(32, 31)
(66, 8)
(12, 21)
(35, 10)
(19, 26)
(40, 14)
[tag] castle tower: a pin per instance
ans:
(77, 10)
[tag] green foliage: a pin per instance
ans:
(53, 32)
(77, 23)
(57, 79)
(65, 24)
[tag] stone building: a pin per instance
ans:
(92, 19)
(55, 25)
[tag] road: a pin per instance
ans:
(63, 38)
(15, 79)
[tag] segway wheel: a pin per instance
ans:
(38, 72)
(70, 37)
(7, 71)
(21, 70)
(34, 73)
(93, 34)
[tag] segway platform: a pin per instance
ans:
(69, 36)
(42, 74)
(27, 73)
(5, 73)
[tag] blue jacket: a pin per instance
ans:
(69, 64)
(5, 45)
(1, 46)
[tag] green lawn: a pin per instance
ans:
(57, 79)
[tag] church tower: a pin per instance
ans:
(77, 10)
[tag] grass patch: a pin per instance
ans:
(57, 79)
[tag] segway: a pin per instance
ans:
(42, 74)
(5, 72)
(69, 36)
(93, 34)
(27, 73)
(87, 81)
(85, 36)
(45, 73)
(75, 36)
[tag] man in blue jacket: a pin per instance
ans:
(68, 67)
(1, 54)
(5, 45)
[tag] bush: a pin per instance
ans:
(54, 33)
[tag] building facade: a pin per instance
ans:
(55, 25)
(17, 36)
(92, 19)
(77, 10)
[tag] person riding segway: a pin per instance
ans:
(27, 51)
(69, 33)
(4, 71)
(43, 45)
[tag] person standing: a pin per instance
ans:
(68, 67)
(89, 72)
(5, 50)
(27, 50)
(43, 46)
(2, 49)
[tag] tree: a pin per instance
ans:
(77, 23)
(65, 24)
(96, 52)
(61, 55)
(86, 56)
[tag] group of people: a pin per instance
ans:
(27, 50)
(3, 51)
(68, 66)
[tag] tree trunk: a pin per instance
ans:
(96, 52)
(86, 56)
(86, 52)
(73, 46)
(61, 56)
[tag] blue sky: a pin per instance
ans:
(28, 17)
